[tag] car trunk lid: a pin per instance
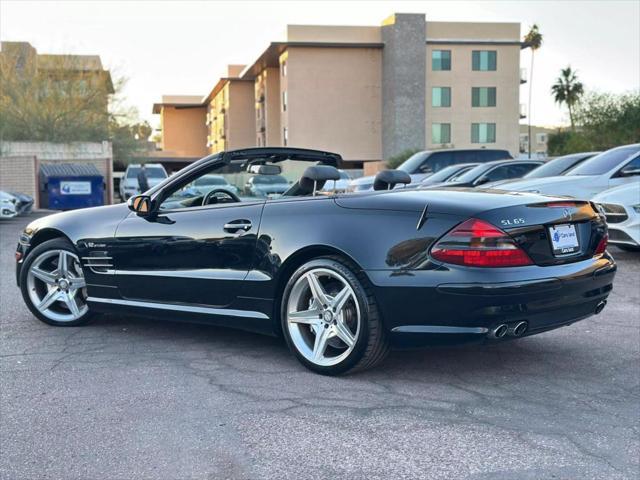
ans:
(552, 232)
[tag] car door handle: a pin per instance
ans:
(233, 227)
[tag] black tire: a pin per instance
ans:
(54, 244)
(371, 346)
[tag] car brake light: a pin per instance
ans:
(602, 245)
(560, 204)
(476, 243)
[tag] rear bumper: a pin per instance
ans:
(449, 305)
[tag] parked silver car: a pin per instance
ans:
(129, 183)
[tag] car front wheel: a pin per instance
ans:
(53, 284)
(330, 319)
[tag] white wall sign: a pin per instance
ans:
(75, 188)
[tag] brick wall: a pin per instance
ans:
(18, 174)
(20, 161)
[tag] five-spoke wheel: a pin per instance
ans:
(323, 316)
(329, 319)
(53, 284)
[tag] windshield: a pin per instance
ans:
(269, 179)
(411, 164)
(152, 172)
(210, 180)
(447, 172)
(557, 166)
(469, 175)
(605, 161)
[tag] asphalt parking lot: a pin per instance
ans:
(128, 398)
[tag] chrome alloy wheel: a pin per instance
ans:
(57, 287)
(323, 317)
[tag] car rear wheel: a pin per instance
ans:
(53, 284)
(330, 319)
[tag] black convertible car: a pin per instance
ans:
(341, 277)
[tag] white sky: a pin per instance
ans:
(171, 47)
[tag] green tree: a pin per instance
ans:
(396, 160)
(64, 103)
(568, 90)
(608, 119)
(533, 39)
(603, 121)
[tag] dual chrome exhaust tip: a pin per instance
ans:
(518, 329)
(513, 330)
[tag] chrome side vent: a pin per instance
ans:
(99, 263)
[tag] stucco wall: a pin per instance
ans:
(241, 128)
(184, 131)
(272, 102)
(461, 78)
(334, 100)
(403, 86)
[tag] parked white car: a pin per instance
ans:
(129, 183)
(621, 205)
(7, 205)
(618, 166)
(341, 185)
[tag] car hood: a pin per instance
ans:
(133, 182)
(363, 180)
(458, 201)
(551, 185)
(623, 195)
(68, 221)
(499, 183)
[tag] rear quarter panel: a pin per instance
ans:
(376, 240)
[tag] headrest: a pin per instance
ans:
(321, 173)
(387, 179)
(314, 178)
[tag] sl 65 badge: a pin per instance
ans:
(512, 221)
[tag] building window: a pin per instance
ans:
(484, 60)
(440, 133)
(483, 96)
(285, 136)
(483, 133)
(284, 68)
(284, 100)
(441, 97)
(441, 60)
(541, 137)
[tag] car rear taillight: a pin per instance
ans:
(476, 243)
(602, 245)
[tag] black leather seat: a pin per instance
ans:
(314, 178)
(387, 179)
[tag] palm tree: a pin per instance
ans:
(532, 39)
(568, 89)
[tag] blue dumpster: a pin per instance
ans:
(67, 186)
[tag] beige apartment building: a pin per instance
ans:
(370, 92)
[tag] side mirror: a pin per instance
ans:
(141, 204)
